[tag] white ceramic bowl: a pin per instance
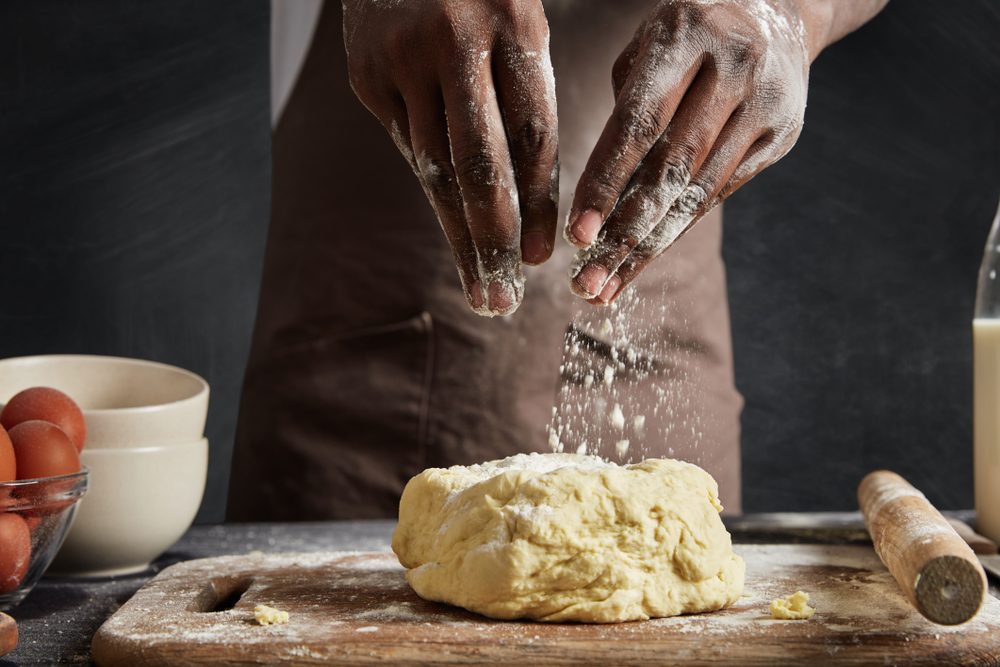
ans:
(140, 502)
(127, 402)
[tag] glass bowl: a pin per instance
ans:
(38, 511)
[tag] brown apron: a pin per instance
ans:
(368, 366)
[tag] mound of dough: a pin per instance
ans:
(567, 537)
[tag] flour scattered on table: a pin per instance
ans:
(794, 607)
(269, 615)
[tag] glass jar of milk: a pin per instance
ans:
(986, 400)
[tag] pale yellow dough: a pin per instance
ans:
(567, 537)
(794, 607)
(269, 615)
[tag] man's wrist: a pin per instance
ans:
(826, 21)
(818, 18)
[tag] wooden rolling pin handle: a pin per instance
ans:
(936, 569)
(8, 634)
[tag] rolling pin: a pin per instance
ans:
(936, 569)
(8, 634)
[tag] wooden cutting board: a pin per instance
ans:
(357, 609)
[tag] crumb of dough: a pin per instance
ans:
(794, 607)
(269, 615)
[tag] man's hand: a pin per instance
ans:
(465, 89)
(707, 95)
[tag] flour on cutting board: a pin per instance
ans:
(342, 602)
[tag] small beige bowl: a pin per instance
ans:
(141, 501)
(126, 402)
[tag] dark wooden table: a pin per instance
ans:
(59, 618)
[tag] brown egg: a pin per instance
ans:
(15, 551)
(50, 405)
(8, 466)
(43, 449)
(32, 521)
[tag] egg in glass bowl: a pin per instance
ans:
(35, 516)
(144, 449)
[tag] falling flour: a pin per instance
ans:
(617, 418)
(621, 448)
(628, 391)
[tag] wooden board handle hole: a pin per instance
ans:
(223, 594)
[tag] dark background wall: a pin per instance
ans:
(134, 187)
(134, 177)
(852, 264)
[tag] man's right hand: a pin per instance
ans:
(465, 89)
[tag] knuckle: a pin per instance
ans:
(629, 268)
(692, 21)
(684, 149)
(691, 16)
(639, 121)
(671, 180)
(450, 28)
(479, 166)
(644, 253)
(699, 139)
(524, 19)
(509, 9)
(788, 125)
(619, 242)
(535, 137)
(741, 57)
(781, 132)
(599, 189)
(439, 179)
(397, 39)
(691, 199)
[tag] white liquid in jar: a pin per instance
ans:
(986, 425)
